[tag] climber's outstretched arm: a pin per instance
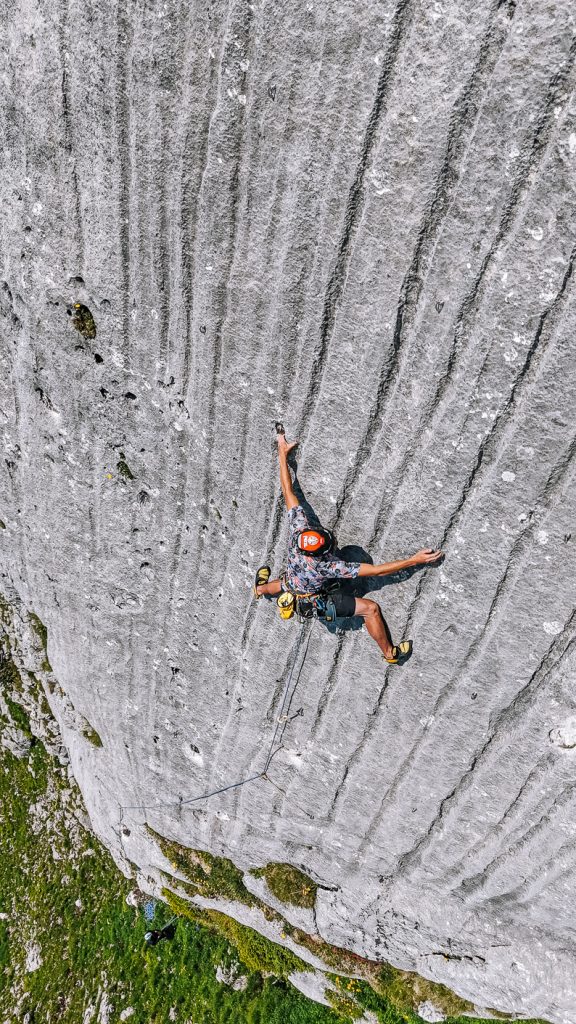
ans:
(424, 557)
(285, 478)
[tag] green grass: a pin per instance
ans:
(345, 1005)
(9, 678)
(393, 995)
(18, 715)
(288, 884)
(40, 629)
(101, 944)
(64, 896)
(254, 950)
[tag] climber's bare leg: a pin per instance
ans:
(375, 624)
(269, 589)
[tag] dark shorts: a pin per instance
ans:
(343, 603)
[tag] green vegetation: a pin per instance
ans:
(123, 468)
(214, 877)
(393, 995)
(89, 733)
(68, 940)
(9, 677)
(42, 634)
(5, 616)
(254, 950)
(36, 692)
(83, 320)
(288, 884)
(345, 1006)
(407, 990)
(40, 629)
(69, 915)
(18, 715)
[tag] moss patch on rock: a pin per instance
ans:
(89, 733)
(407, 990)
(288, 884)
(83, 320)
(123, 468)
(210, 876)
(42, 634)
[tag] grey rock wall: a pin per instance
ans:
(359, 218)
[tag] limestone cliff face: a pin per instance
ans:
(359, 218)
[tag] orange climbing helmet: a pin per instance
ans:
(315, 542)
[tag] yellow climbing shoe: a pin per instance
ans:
(262, 576)
(400, 653)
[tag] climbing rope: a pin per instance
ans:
(274, 747)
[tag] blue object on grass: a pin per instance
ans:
(150, 910)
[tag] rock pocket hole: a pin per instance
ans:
(193, 754)
(98, 358)
(131, 395)
(564, 736)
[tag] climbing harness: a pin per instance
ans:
(306, 606)
(321, 606)
(317, 605)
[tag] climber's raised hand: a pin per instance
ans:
(427, 555)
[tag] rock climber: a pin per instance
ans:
(312, 567)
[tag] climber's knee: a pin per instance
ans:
(366, 608)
